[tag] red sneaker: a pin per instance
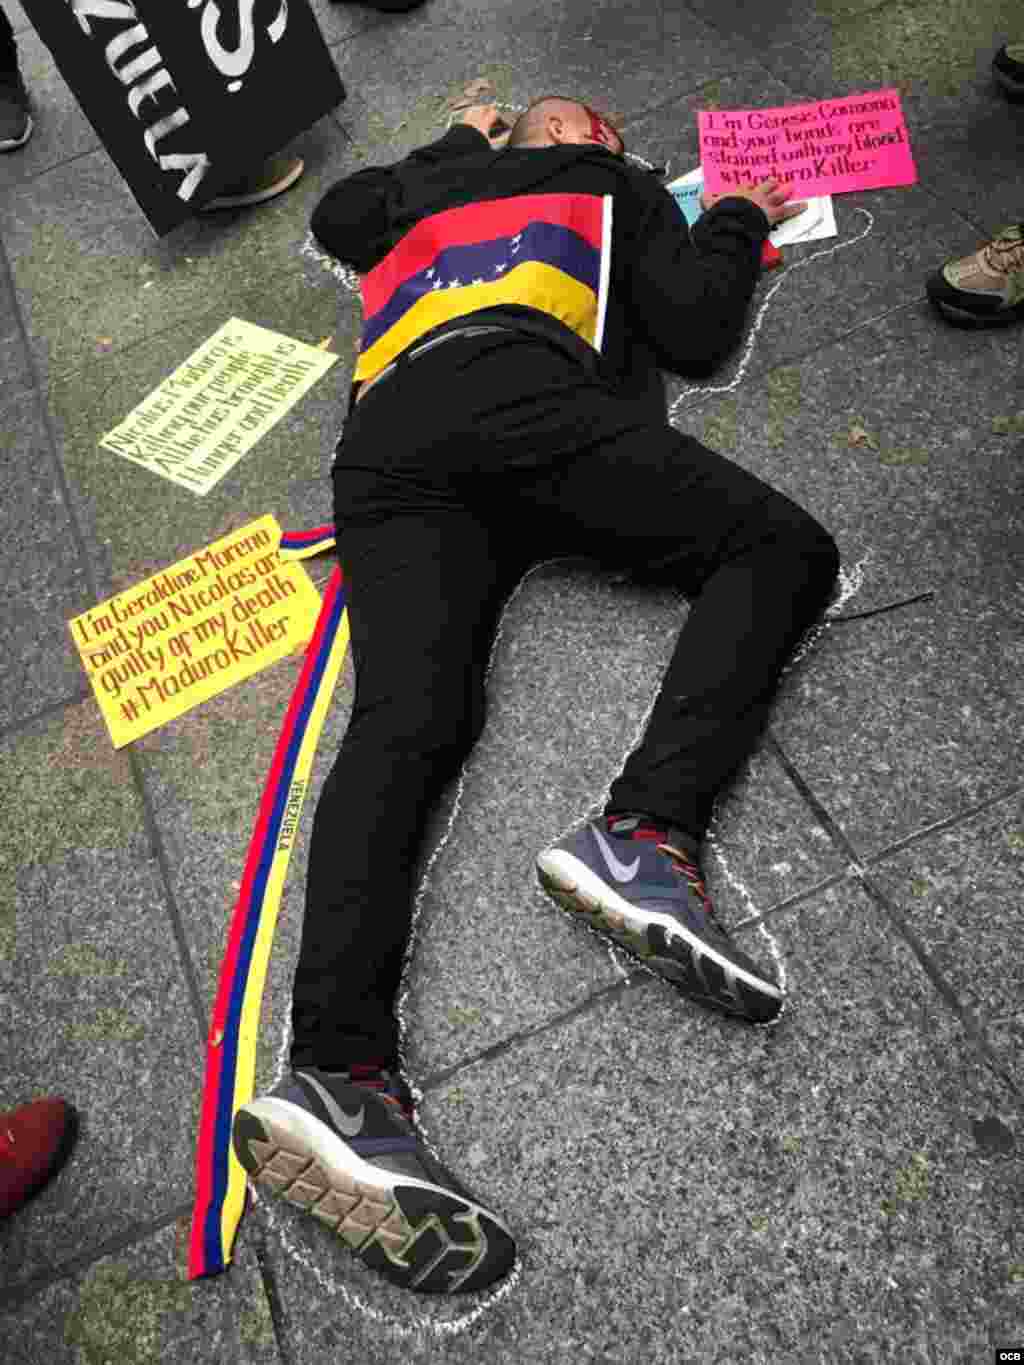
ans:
(34, 1143)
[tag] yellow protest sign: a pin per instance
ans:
(202, 419)
(194, 629)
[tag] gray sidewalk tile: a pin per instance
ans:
(400, 82)
(32, 512)
(42, 572)
(934, 52)
(767, 28)
(902, 719)
(931, 46)
(90, 274)
(60, 129)
(39, 666)
(344, 20)
(843, 1187)
(577, 666)
(701, 1191)
(663, 128)
(15, 369)
(437, 60)
(970, 156)
(964, 133)
(959, 890)
(96, 1005)
(134, 1307)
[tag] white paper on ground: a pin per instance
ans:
(817, 220)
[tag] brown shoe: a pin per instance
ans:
(275, 176)
(35, 1141)
(985, 289)
(1008, 69)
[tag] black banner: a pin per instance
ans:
(188, 95)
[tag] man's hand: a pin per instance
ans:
(486, 119)
(770, 196)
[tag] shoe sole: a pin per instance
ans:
(658, 941)
(12, 144)
(419, 1235)
(960, 317)
(245, 201)
(1010, 87)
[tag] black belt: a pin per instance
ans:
(425, 346)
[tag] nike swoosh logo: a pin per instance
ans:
(619, 871)
(349, 1124)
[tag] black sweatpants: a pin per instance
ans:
(8, 49)
(452, 477)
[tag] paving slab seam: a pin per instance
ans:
(792, 901)
(961, 817)
(55, 166)
(53, 708)
(60, 473)
(274, 1302)
(729, 39)
(890, 851)
(971, 1027)
(14, 1296)
(818, 810)
(156, 843)
(858, 870)
(713, 391)
(63, 375)
(507, 1044)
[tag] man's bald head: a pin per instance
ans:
(554, 121)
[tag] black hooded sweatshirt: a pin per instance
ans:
(678, 296)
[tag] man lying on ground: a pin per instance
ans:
(509, 409)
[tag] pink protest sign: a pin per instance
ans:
(854, 142)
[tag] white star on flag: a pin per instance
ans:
(453, 283)
(499, 268)
(438, 284)
(478, 281)
(430, 273)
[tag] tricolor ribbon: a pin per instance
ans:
(304, 544)
(231, 1043)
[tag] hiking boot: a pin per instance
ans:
(15, 119)
(1008, 69)
(275, 176)
(642, 886)
(986, 289)
(347, 1151)
(35, 1141)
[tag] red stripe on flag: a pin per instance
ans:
(206, 1143)
(473, 223)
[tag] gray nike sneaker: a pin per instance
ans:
(350, 1156)
(650, 898)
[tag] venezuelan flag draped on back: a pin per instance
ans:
(545, 251)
